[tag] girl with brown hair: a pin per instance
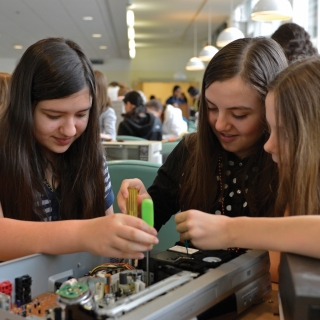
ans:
(52, 164)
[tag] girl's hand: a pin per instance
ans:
(118, 236)
(123, 193)
(206, 231)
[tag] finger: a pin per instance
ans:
(182, 227)
(137, 223)
(136, 235)
(117, 253)
(130, 247)
(185, 235)
(180, 217)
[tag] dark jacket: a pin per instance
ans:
(148, 127)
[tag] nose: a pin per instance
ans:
(222, 122)
(271, 145)
(68, 127)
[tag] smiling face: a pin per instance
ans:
(235, 114)
(59, 122)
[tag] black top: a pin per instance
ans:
(148, 127)
(165, 190)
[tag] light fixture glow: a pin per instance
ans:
(18, 47)
(228, 35)
(132, 53)
(132, 44)
(271, 10)
(131, 33)
(130, 18)
(87, 18)
(96, 35)
(207, 53)
(195, 64)
(103, 47)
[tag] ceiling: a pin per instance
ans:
(158, 23)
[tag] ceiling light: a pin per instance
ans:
(132, 44)
(87, 18)
(195, 64)
(270, 10)
(131, 33)
(130, 18)
(132, 53)
(18, 47)
(228, 35)
(208, 51)
(96, 35)
(103, 47)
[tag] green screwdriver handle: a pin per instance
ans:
(147, 211)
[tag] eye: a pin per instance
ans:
(212, 108)
(53, 117)
(240, 116)
(81, 115)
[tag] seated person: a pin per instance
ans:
(107, 116)
(137, 122)
(173, 125)
(176, 97)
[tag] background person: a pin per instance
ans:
(137, 121)
(107, 116)
(295, 41)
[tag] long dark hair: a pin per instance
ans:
(135, 98)
(257, 61)
(52, 68)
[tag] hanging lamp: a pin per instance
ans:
(195, 64)
(271, 10)
(208, 51)
(229, 34)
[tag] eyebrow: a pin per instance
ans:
(232, 108)
(56, 111)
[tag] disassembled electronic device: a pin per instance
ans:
(180, 283)
(80, 286)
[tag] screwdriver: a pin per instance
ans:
(148, 217)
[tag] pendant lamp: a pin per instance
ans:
(270, 10)
(229, 34)
(195, 64)
(208, 51)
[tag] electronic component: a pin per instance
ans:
(117, 291)
(5, 301)
(23, 289)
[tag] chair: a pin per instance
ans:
(167, 147)
(146, 172)
(124, 138)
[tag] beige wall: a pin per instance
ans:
(163, 90)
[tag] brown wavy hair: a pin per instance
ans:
(295, 41)
(297, 108)
(257, 61)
